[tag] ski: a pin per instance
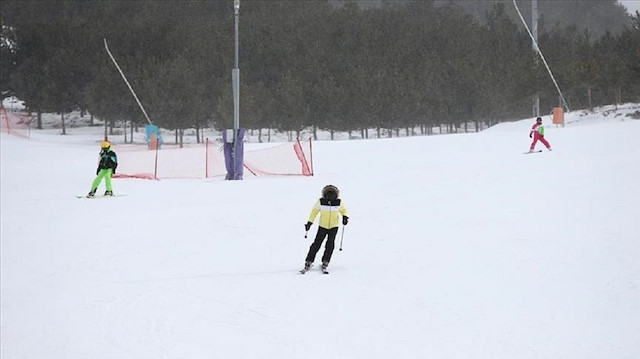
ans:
(324, 269)
(528, 152)
(96, 197)
(305, 270)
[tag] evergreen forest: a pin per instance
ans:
(328, 65)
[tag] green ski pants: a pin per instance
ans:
(106, 174)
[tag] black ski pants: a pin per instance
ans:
(328, 247)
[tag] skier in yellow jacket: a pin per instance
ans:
(331, 208)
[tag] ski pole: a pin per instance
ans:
(305, 234)
(341, 238)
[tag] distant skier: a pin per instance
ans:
(537, 133)
(106, 169)
(331, 208)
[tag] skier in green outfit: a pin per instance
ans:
(106, 169)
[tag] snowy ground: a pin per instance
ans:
(459, 246)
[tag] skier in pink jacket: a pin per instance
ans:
(537, 133)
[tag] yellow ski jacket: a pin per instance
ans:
(330, 212)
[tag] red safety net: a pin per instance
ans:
(207, 160)
(15, 123)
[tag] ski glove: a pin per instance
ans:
(307, 226)
(345, 220)
(98, 171)
(530, 134)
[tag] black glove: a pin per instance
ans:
(530, 134)
(345, 220)
(98, 171)
(307, 226)
(113, 171)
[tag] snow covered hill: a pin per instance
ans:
(459, 246)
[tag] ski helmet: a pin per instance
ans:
(105, 145)
(539, 119)
(330, 192)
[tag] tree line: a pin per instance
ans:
(308, 64)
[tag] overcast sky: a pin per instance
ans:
(631, 5)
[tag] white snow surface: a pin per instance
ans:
(459, 246)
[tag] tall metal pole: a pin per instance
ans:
(534, 26)
(235, 74)
(126, 81)
(544, 61)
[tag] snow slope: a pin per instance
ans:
(459, 246)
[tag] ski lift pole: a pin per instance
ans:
(126, 81)
(537, 48)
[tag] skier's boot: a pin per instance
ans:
(91, 193)
(324, 266)
(108, 193)
(307, 265)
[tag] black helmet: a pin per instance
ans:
(539, 119)
(330, 192)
